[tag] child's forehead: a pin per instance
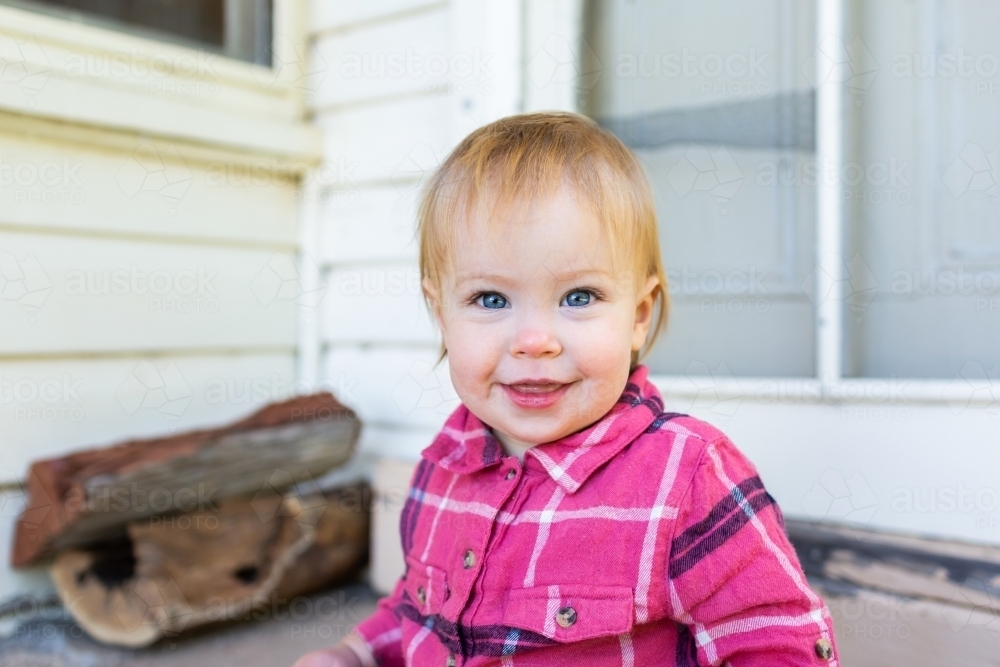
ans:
(548, 236)
(518, 258)
(495, 203)
(497, 220)
(552, 233)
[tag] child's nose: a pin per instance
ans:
(533, 340)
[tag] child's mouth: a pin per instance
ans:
(535, 395)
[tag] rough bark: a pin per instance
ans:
(91, 495)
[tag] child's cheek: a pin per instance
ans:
(473, 349)
(603, 338)
(605, 389)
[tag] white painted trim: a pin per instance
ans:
(120, 140)
(829, 208)
(95, 40)
(548, 28)
(811, 390)
(256, 110)
(492, 27)
(308, 361)
(338, 29)
(289, 44)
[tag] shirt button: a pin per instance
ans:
(469, 560)
(511, 473)
(566, 617)
(450, 662)
(824, 649)
(422, 595)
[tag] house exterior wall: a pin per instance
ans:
(149, 219)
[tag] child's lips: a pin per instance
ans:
(536, 395)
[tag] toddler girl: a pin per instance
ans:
(562, 516)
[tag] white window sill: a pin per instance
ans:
(845, 390)
(101, 79)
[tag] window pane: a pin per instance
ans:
(236, 28)
(923, 195)
(716, 98)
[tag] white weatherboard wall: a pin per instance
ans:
(149, 234)
(407, 80)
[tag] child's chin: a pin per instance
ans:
(543, 431)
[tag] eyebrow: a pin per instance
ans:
(568, 276)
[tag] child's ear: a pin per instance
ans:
(644, 312)
(433, 297)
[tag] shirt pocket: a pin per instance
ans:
(426, 586)
(570, 613)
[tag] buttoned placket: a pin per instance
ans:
(510, 486)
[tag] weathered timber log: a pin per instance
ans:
(89, 496)
(248, 556)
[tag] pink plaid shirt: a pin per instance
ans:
(646, 538)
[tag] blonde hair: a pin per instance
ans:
(521, 159)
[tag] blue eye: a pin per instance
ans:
(577, 298)
(493, 300)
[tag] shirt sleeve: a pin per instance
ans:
(735, 580)
(382, 632)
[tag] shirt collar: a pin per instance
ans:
(466, 444)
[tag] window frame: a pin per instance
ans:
(256, 110)
(828, 385)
